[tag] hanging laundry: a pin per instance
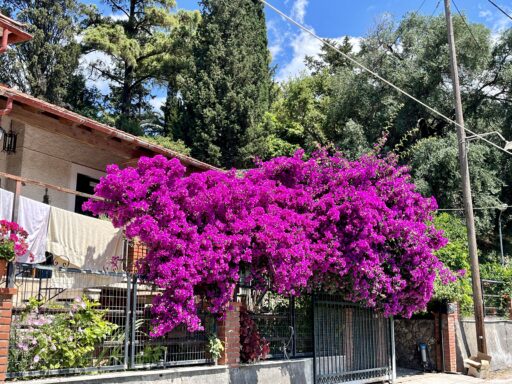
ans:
(80, 241)
(34, 216)
(6, 203)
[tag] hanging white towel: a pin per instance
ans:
(6, 203)
(80, 241)
(34, 216)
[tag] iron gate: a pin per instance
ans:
(351, 344)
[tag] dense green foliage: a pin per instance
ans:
(139, 43)
(455, 256)
(228, 90)
(64, 338)
(42, 66)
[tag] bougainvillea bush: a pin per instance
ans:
(290, 225)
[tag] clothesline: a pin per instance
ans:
(85, 242)
(24, 180)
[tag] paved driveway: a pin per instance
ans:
(414, 377)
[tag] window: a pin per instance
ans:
(84, 184)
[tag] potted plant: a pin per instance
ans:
(215, 348)
(13, 243)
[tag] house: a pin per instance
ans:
(11, 32)
(51, 144)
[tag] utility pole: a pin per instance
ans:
(466, 188)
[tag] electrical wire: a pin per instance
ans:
(467, 25)
(500, 9)
(475, 208)
(376, 75)
(401, 28)
(421, 6)
(435, 9)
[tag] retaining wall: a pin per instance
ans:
(499, 342)
(274, 372)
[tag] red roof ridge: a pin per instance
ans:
(42, 105)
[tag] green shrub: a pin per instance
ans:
(63, 338)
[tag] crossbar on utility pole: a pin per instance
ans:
(466, 188)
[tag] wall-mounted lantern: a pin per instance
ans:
(9, 140)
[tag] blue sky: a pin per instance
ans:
(353, 18)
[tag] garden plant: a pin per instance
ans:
(291, 225)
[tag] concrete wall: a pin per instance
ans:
(499, 342)
(273, 372)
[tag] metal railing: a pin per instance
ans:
(352, 344)
(495, 299)
(178, 347)
(286, 323)
(70, 321)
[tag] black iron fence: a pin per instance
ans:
(352, 344)
(178, 347)
(67, 321)
(286, 323)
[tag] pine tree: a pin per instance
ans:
(139, 44)
(42, 66)
(228, 91)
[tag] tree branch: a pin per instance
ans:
(107, 74)
(118, 7)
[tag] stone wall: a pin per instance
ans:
(408, 333)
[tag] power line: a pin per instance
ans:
(467, 25)
(475, 208)
(500, 9)
(401, 28)
(435, 9)
(421, 6)
(376, 75)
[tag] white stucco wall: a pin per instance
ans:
(52, 158)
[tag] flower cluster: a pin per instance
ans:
(13, 240)
(291, 225)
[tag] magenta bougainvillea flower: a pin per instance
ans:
(291, 225)
(13, 241)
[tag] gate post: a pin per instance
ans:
(228, 332)
(446, 337)
(132, 333)
(393, 351)
(6, 296)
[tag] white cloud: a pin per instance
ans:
(277, 38)
(157, 102)
(94, 79)
(485, 14)
(304, 45)
(498, 21)
(299, 10)
(118, 16)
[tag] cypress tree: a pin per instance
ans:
(44, 66)
(228, 89)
